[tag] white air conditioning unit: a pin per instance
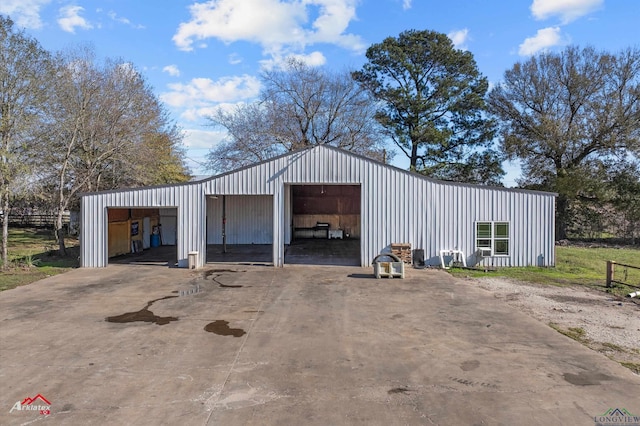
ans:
(484, 252)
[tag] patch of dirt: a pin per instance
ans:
(603, 322)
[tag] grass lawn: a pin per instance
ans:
(574, 266)
(33, 256)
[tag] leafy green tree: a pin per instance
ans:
(625, 183)
(564, 113)
(25, 80)
(161, 158)
(432, 106)
(298, 106)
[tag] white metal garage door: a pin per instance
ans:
(249, 219)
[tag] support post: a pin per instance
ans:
(224, 224)
(610, 272)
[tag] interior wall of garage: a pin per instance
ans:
(123, 222)
(143, 220)
(169, 227)
(249, 219)
(337, 205)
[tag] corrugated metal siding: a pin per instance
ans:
(188, 199)
(169, 230)
(249, 219)
(279, 225)
(397, 207)
(287, 215)
(93, 232)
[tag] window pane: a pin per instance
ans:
(501, 247)
(501, 230)
(483, 230)
(483, 244)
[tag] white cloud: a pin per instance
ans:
(459, 38)
(568, 10)
(172, 70)
(25, 13)
(276, 25)
(544, 38)
(406, 4)
(333, 20)
(70, 19)
(123, 20)
(202, 139)
(235, 59)
(197, 114)
(314, 59)
(200, 95)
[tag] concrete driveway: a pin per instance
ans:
(259, 345)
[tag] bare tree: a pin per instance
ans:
(101, 124)
(249, 138)
(24, 81)
(299, 106)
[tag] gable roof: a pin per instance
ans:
(341, 151)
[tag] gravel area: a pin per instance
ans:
(610, 324)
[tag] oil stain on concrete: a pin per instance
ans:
(469, 365)
(143, 315)
(229, 286)
(215, 273)
(585, 378)
(398, 390)
(221, 328)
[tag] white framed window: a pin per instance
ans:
(493, 236)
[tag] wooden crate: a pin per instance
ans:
(403, 251)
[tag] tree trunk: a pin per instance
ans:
(5, 230)
(60, 234)
(414, 157)
(562, 217)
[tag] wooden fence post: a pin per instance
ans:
(610, 272)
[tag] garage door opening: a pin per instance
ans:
(240, 229)
(325, 225)
(142, 236)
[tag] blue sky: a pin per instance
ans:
(199, 56)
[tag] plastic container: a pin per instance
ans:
(388, 269)
(193, 260)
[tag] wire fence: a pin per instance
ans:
(36, 220)
(620, 273)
